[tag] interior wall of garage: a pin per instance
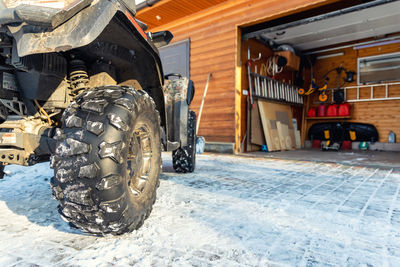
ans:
(384, 115)
(215, 48)
(256, 49)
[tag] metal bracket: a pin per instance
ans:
(172, 146)
(21, 111)
(253, 59)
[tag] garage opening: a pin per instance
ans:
(327, 78)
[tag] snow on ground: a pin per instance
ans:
(231, 212)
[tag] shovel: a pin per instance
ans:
(200, 141)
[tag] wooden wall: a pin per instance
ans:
(385, 115)
(215, 46)
(287, 76)
(255, 49)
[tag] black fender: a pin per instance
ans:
(93, 27)
(80, 30)
(179, 94)
(149, 72)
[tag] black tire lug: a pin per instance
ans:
(92, 185)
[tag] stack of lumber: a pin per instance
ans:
(272, 125)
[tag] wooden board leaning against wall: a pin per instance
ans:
(384, 115)
(256, 48)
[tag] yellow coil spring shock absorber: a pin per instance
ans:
(78, 77)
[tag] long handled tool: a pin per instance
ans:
(200, 141)
(250, 99)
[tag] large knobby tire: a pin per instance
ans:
(108, 160)
(184, 158)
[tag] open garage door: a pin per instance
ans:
(371, 20)
(344, 63)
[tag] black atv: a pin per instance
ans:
(82, 85)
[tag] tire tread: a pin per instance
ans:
(90, 198)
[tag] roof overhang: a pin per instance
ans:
(165, 11)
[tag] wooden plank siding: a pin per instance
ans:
(385, 115)
(215, 47)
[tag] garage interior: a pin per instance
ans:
(327, 78)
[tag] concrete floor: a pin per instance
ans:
(373, 159)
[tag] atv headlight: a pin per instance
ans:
(46, 3)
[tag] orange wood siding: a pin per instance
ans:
(214, 48)
(385, 115)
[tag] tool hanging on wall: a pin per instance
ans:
(314, 87)
(338, 94)
(323, 96)
(261, 85)
(250, 62)
(274, 65)
(250, 99)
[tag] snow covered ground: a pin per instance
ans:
(231, 212)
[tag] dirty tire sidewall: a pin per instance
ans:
(91, 160)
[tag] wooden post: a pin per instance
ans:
(238, 94)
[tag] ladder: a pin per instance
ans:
(271, 89)
(372, 96)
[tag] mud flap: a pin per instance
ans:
(177, 107)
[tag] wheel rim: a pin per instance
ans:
(139, 160)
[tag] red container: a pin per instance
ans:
(316, 144)
(321, 110)
(346, 145)
(312, 112)
(332, 110)
(344, 110)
